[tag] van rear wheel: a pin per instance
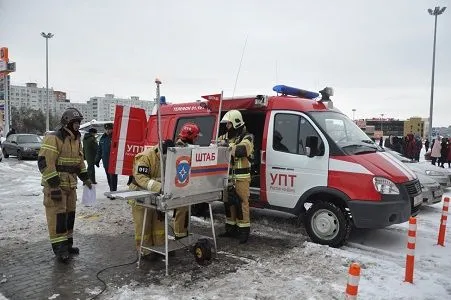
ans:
(327, 224)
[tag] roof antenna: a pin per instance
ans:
(239, 68)
(277, 76)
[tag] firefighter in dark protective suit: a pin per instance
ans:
(188, 135)
(147, 176)
(60, 161)
(236, 197)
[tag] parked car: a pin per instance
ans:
(22, 145)
(438, 169)
(431, 190)
(438, 174)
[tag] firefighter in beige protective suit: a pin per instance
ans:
(188, 135)
(147, 176)
(60, 161)
(236, 198)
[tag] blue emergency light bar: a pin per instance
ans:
(291, 91)
(162, 100)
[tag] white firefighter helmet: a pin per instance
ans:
(234, 117)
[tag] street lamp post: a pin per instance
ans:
(436, 12)
(47, 37)
(353, 114)
(382, 117)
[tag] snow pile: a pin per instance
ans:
(302, 270)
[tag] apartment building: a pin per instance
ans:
(99, 108)
(415, 126)
(103, 108)
(32, 96)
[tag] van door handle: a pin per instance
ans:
(282, 168)
(262, 156)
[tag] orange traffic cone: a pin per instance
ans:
(353, 281)
(411, 240)
(442, 230)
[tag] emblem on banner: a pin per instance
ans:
(183, 167)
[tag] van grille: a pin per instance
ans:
(413, 188)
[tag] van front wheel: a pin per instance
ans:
(327, 224)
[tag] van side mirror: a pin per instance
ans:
(311, 146)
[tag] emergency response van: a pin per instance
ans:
(310, 159)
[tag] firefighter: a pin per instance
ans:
(236, 197)
(146, 176)
(188, 135)
(60, 161)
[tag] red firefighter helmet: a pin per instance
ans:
(190, 131)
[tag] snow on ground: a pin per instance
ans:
(308, 271)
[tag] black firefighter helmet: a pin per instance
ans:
(70, 115)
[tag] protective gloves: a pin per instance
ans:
(223, 143)
(88, 183)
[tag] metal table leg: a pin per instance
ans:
(189, 219)
(142, 237)
(166, 246)
(213, 228)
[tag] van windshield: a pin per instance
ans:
(345, 133)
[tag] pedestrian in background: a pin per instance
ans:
(426, 145)
(443, 152)
(90, 150)
(418, 147)
(103, 153)
(449, 155)
(435, 150)
(410, 146)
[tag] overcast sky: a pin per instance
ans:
(376, 54)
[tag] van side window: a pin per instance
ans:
(206, 125)
(291, 132)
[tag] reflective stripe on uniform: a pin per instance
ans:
(49, 175)
(71, 160)
(50, 148)
(241, 176)
(150, 184)
(58, 239)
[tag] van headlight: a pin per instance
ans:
(385, 186)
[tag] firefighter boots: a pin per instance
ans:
(62, 253)
(71, 249)
(243, 234)
(230, 231)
